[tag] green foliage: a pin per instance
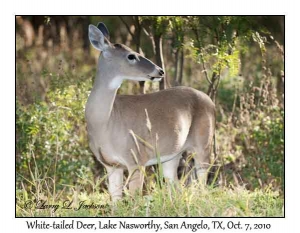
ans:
(218, 41)
(255, 137)
(176, 27)
(265, 160)
(159, 24)
(51, 137)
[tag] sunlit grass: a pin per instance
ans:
(165, 201)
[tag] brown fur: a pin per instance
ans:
(182, 118)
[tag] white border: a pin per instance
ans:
(10, 8)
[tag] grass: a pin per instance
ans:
(192, 201)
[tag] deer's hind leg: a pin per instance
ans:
(202, 163)
(202, 144)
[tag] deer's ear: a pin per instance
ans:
(101, 26)
(97, 39)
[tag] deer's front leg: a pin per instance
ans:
(115, 182)
(136, 181)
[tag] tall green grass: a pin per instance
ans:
(162, 201)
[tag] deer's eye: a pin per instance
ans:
(131, 57)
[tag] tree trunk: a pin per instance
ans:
(86, 41)
(137, 39)
(137, 33)
(159, 59)
(175, 82)
(181, 67)
(280, 86)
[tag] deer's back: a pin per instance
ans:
(172, 113)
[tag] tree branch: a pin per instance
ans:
(127, 26)
(201, 56)
(146, 32)
(205, 71)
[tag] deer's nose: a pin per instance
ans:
(161, 72)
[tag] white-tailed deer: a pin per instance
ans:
(182, 117)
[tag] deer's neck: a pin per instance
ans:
(101, 100)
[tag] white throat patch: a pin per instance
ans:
(115, 82)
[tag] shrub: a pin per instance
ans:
(253, 138)
(51, 138)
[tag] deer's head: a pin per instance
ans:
(120, 61)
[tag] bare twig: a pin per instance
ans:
(146, 32)
(205, 70)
